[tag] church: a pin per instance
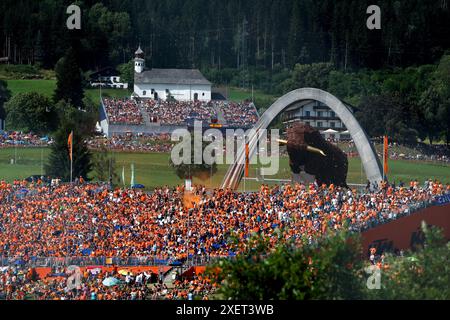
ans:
(178, 84)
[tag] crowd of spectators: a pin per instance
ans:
(89, 219)
(238, 114)
(197, 286)
(417, 152)
(92, 220)
(22, 139)
(122, 111)
(179, 112)
(23, 283)
(173, 112)
(133, 142)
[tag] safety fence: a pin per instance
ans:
(51, 262)
(406, 211)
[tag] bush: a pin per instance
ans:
(20, 71)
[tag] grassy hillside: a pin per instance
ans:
(152, 169)
(47, 87)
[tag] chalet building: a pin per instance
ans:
(107, 78)
(319, 116)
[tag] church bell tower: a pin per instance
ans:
(139, 61)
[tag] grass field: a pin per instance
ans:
(152, 169)
(47, 87)
(238, 94)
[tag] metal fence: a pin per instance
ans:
(106, 261)
(409, 210)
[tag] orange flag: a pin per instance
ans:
(70, 144)
(385, 155)
(246, 160)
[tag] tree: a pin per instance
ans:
(179, 34)
(31, 112)
(69, 80)
(38, 52)
(59, 161)
(421, 274)
(387, 114)
(295, 37)
(329, 269)
(104, 165)
(332, 268)
(5, 94)
(314, 75)
(108, 34)
(442, 84)
(444, 117)
(188, 171)
(126, 71)
(430, 101)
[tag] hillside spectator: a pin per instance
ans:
(22, 139)
(133, 143)
(122, 111)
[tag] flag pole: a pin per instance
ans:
(71, 158)
(385, 157)
(246, 161)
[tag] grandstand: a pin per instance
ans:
(148, 116)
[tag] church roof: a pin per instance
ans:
(171, 76)
(139, 51)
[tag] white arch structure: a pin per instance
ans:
(369, 158)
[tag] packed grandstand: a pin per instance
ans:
(178, 113)
(54, 225)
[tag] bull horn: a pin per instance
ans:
(282, 141)
(315, 150)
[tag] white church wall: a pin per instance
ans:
(179, 92)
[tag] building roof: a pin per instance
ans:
(171, 76)
(104, 72)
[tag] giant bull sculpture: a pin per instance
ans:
(310, 152)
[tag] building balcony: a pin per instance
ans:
(312, 118)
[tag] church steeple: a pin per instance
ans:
(139, 61)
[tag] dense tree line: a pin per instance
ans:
(334, 269)
(403, 103)
(228, 34)
(396, 78)
(4, 96)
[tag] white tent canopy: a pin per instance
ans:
(330, 131)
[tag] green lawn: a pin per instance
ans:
(152, 169)
(94, 94)
(47, 87)
(238, 94)
(28, 162)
